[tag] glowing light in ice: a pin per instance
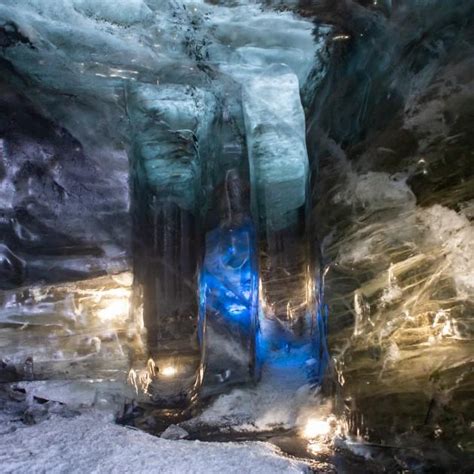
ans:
(168, 371)
(340, 37)
(139, 379)
(315, 428)
(315, 447)
(114, 309)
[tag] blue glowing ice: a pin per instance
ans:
(229, 304)
(229, 274)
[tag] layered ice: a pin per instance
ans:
(390, 128)
(183, 92)
(455, 233)
(171, 125)
(229, 304)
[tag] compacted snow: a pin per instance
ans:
(91, 443)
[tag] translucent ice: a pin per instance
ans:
(275, 125)
(167, 122)
(187, 90)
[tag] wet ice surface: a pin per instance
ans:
(413, 340)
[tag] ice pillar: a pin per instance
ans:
(166, 168)
(229, 292)
(275, 126)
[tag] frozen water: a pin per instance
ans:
(249, 39)
(229, 278)
(229, 288)
(157, 81)
(275, 125)
(168, 123)
(455, 234)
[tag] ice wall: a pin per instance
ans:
(169, 88)
(389, 128)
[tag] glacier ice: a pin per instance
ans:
(275, 125)
(175, 96)
(185, 91)
(229, 293)
(394, 175)
(168, 123)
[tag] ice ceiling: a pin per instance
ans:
(186, 185)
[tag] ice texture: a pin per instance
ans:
(229, 299)
(85, 323)
(390, 131)
(275, 125)
(64, 212)
(168, 124)
(91, 441)
(455, 233)
(249, 38)
(158, 95)
(387, 91)
(228, 273)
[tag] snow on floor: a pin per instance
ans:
(91, 443)
(282, 399)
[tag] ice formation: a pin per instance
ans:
(186, 94)
(395, 173)
(182, 182)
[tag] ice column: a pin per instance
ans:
(275, 127)
(229, 276)
(229, 292)
(166, 167)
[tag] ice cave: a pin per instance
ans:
(236, 235)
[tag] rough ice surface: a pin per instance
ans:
(228, 273)
(249, 39)
(92, 443)
(85, 324)
(229, 303)
(377, 190)
(390, 126)
(168, 122)
(388, 102)
(456, 235)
